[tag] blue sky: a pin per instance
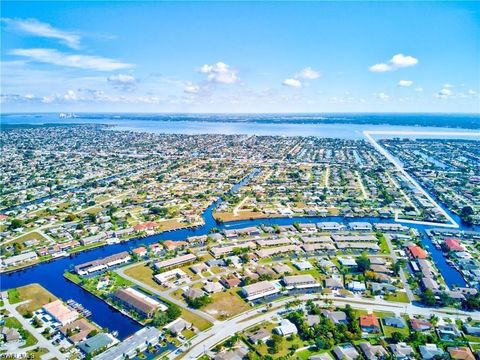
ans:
(240, 57)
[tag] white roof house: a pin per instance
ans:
(286, 328)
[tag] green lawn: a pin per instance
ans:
(389, 330)
(11, 322)
(398, 296)
(14, 296)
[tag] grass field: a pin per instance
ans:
(399, 296)
(30, 236)
(144, 274)
(226, 304)
(389, 330)
(197, 321)
(37, 295)
(11, 322)
(36, 354)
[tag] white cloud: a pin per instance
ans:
(220, 73)
(448, 86)
(472, 92)
(380, 68)
(419, 89)
(444, 93)
(90, 62)
(122, 81)
(307, 73)
(292, 82)
(191, 88)
(405, 83)
(382, 96)
(396, 62)
(37, 28)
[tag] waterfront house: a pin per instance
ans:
(138, 302)
(60, 312)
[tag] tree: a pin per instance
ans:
(363, 263)
(16, 223)
(398, 337)
(466, 214)
(428, 297)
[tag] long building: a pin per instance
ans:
(103, 264)
(139, 302)
(141, 340)
(225, 250)
(300, 282)
(176, 261)
(259, 290)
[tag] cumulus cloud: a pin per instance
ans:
(220, 73)
(308, 74)
(472, 92)
(382, 96)
(37, 28)
(405, 83)
(122, 81)
(292, 82)
(54, 57)
(191, 88)
(396, 62)
(444, 93)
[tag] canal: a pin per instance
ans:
(50, 274)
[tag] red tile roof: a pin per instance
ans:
(417, 252)
(369, 320)
(453, 244)
(146, 226)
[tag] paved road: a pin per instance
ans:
(411, 296)
(223, 330)
(42, 342)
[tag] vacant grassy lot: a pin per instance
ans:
(226, 304)
(399, 296)
(144, 274)
(37, 295)
(30, 236)
(197, 321)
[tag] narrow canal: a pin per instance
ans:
(50, 275)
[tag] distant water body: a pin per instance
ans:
(344, 126)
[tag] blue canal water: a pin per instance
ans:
(50, 275)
